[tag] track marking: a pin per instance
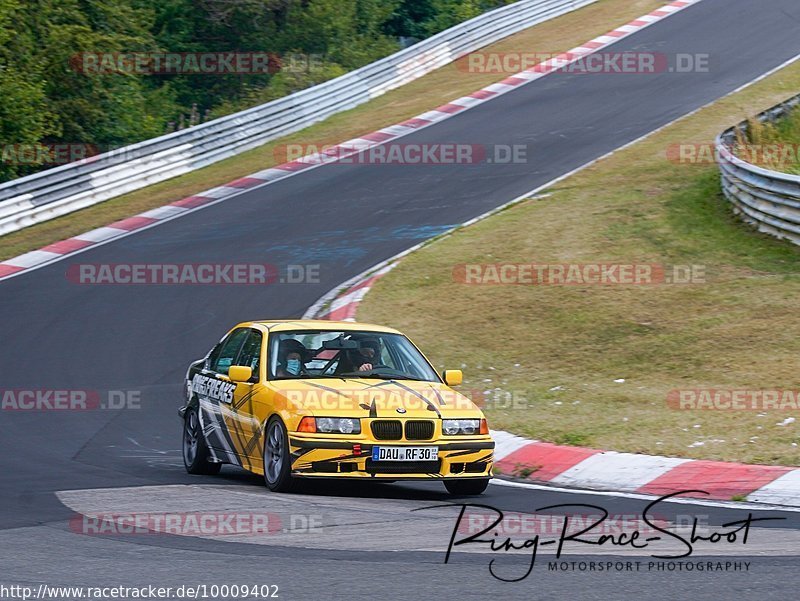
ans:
(633, 495)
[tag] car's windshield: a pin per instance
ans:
(346, 354)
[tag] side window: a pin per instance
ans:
(228, 351)
(403, 361)
(388, 354)
(213, 355)
(251, 352)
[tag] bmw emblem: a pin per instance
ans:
(401, 410)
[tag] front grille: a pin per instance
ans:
(403, 467)
(388, 429)
(419, 430)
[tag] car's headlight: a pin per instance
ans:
(338, 425)
(467, 427)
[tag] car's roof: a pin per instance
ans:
(275, 325)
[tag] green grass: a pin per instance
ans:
(523, 471)
(780, 139)
(556, 351)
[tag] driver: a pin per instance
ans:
(291, 358)
(368, 355)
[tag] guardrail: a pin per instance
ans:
(61, 190)
(770, 200)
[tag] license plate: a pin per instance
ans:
(405, 453)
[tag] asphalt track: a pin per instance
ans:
(345, 218)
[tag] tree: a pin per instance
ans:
(53, 94)
(24, 116)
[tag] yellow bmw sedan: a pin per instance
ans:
(327, 399)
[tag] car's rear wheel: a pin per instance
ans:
(466, 487)
(277, 461)
(195, 450)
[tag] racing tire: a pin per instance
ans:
(277, 459)
(466, 487)
(195, 450)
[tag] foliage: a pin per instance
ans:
(50, 97)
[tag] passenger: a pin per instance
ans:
(292, 356)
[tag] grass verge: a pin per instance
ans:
(447, 83)
(775, 144)
(553, 358)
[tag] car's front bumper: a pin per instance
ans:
(316, 457)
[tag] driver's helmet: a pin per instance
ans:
(290, 345)
(369, 349)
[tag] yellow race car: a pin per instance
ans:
(326, 399)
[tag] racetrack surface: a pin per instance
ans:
(370, 545)
(345, 218)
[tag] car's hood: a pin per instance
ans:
(356, 397)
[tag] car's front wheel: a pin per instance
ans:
(466, 487)
(195, 450)
(277, 462)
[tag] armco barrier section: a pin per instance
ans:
(770, 200)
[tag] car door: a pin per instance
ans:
(244, 419)
(215, 393)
